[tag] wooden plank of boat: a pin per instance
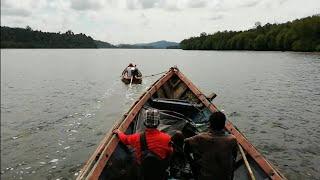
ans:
(127, 80)
(95, 166)
(247, 146)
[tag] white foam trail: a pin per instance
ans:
(54, 160)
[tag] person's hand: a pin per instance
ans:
(116, 131)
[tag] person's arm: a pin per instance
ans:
(125, 139)
(235, 153)
(189, 145)
(192, 141)
(235, 150)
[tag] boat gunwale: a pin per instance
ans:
(123, 124)
(266, 166)
(126, 77)
(109, 142)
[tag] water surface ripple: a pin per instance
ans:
(56, 105)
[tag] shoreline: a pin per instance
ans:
(309, 52)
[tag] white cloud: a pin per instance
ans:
(170, 5)
(216, 17)
(133, 21)
(250, 3)
(15, 12)
(82, 5)
(197, 4)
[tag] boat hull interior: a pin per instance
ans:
(181, 111)
(182, 108)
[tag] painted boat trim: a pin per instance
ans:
(109, 142)
(249, 148)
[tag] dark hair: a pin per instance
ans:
(217, 120)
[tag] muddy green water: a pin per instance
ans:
(56, 105)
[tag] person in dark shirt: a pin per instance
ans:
(214, 151)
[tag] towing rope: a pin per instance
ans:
(155, 74)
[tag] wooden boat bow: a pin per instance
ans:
(96, 163)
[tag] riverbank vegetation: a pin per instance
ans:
(28, 38)
(298, 35)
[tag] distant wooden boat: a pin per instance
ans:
(135, 80)
(183, 107)
(127, 80)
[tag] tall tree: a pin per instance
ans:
(298, 35)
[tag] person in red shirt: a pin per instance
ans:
(157, 142)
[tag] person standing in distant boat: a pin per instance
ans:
(135, 71)
(129, 70)
(214, 151)
(152, 147)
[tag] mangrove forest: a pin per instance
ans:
(298, 35)
(28, 38)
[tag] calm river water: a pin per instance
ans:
(56, 105)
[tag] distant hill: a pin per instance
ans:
(102, 44)
(133, 46)
(159, 44)
(28, 38)
(153, 45)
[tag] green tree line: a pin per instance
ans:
(298, 35)
(28, 38)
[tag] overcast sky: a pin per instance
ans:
(136, 21)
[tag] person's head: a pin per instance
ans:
(217, 121)
(130, 65)
(152, 118)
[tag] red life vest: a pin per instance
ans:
(158, 143)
